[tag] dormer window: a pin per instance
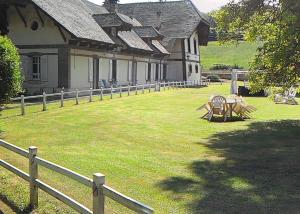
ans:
(34, 26)
(114, 32)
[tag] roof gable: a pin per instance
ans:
(75, 17)
(174, 19)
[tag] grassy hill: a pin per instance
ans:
(228, 54)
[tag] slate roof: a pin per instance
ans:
(133, 40)
(174, 19)
(75, 17)
(110, 20)
(95, 8)
(147, 32)
(160, 47)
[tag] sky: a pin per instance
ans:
(203, 5)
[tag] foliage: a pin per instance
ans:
(10, 71)
(277, 25)
(214, 78)
(225, 67)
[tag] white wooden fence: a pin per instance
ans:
(97, 184)
(105, 92)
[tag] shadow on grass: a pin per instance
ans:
(220, 119)
(257, 171)
(14, 207)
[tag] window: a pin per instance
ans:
(34, 26)
(190, 69)
(189, 45)
(197, 69)
(196, 46)
(149, 72)
(114, 32)
(114, 70)
(157, 72)
(36, 68)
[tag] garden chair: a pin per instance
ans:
(242, 109)
(288, 97)
(218, 106)
(205, 106)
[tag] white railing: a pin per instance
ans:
(103, 92)
(97, 184)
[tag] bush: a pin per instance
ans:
(225, 67)
(220, 67)
(10, 72)
(214, 78)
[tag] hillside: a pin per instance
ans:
(228, 54)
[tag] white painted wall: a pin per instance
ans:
(21, 35)
(122, 72)
(192, 76)
(174, 72)
(194, 54)
(49, 70)
(142, 68)
(80, 73)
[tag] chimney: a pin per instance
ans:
(111, 5)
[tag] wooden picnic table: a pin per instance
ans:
(231, 104)
(234, 105)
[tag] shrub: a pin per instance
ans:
(220, 67)
(214, 78)
(10, 72)
(225, 67)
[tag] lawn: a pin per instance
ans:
(229, 54)
(156, 149)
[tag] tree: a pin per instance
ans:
(274, 22)
(10, 72)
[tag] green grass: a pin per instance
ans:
(228, 54)
(156, 149)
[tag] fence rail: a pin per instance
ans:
(97, 184)
(102, 92)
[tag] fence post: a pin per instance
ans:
(77, 93)
(44, 101)
(33, 174)
(111, 92)
(22, 105)
(150, 88)
(164, 86)
(62, 99)
(101, 93)
(136, 89)
(168, 85)
(98, 196)
(143, 89)
(91, 95)
(120, 91)
(128, 90)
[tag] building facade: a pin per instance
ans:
(75, 44)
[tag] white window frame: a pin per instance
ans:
(36, 60)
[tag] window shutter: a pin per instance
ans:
(91, 69)
(110, 69)
(129, 71)
(44, 68)
(27, 67)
